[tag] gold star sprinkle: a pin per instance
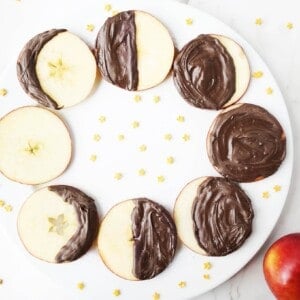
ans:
(121, 137)
(258, 21)
(269, 91)
(107, 7)
(168, 136)
(114, 12)
(102, 119)
(182, 284)
(266, 195)
(80, 285)
(160, 179)
(118, 176)
(156, 296)
(180, 119)
(2, 203)
(257, 74)
(58, 224)
(116, 292)
(135, 124)
(189, 21)
(96, 137)
(207, 265)
(93, 157)
(137, 98)
(3, 92)
(156, 99)
(170, 160)
(277, 188)
(186, 137)
(8, 208)
(143, 148)
(142, 172)
(289, 25)
(206, 276)
(90, 27)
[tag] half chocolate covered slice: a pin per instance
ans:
(134, 50)
(137, 239)
(246, 143)
(211, 71)
(58, 223)
(213, 216)
(57, 69)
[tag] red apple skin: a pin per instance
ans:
(281, 267)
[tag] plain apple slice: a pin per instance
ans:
(183, 215)
(155, 50)
(35, 145)
(66, 69)
(58, 223)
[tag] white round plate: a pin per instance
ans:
(96, 178)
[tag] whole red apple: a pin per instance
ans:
(282, 267)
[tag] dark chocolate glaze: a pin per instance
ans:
(204, 73)
(26, 68)
(116, 51)
(246, 143)
(154, 236)
(222, 216)
(88, 221)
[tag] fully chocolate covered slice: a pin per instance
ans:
(137, 239)
(134, 50)
(211, 71)
(58, 223)
(246, 143)
(213, 216)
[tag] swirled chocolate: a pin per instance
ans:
(154, 236)
(116, 51)
(222, 216)
(246, 143)
(88, 221)
(204, 73)
(26, 68)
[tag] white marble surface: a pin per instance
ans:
(277, 45)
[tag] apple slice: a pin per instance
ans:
(137, 239)
(58, 223)
(57, 69)
(35, 145)
(213, 216)
(211, 71)
(134, 50)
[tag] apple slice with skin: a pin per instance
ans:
(57, 69)
(58, 223)
(35, 145)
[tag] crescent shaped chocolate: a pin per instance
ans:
(88, 221)
(137, 239)
(58, 223)
(222, 216)
(246, 143)
(154, 236)
(26, 67)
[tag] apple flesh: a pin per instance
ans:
(281, 267)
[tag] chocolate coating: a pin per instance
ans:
(204, 73)
(88, 220)
(116, 51)
(154, 236)
(26, 68)
(222, 216)
(246, 143)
